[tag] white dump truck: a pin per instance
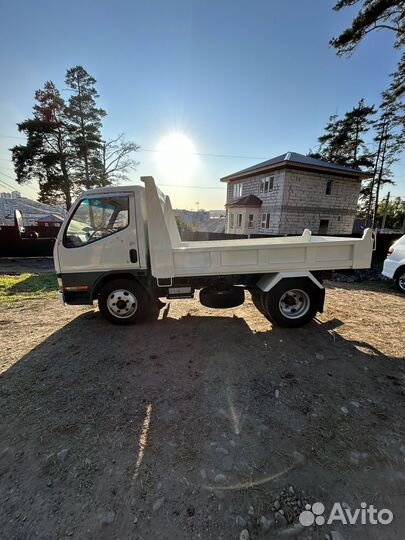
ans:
(121, 246)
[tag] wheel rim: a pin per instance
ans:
(294, 303)
(122, 303)
(401, 282)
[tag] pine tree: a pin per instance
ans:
(85, 122)
(389, 141)
(334, 141)
(343, 141)
(357, 122)
(372, 15)
(64, 151)
(394, 212)
(47, 156)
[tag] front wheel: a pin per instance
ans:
(400, 280)
(123, 302)
(292, 302)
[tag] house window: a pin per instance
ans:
(237, 191)
(267, 184)
(265, 221)
(251, 221)
(328, 189)
(231, 222)
(239, 221)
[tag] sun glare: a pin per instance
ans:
(176, 154)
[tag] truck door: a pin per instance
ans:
(100, 235)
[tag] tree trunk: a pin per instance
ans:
(356, 143)
(372, 182)
(83, 132)
(377, 193)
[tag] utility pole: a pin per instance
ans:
(198, 215)
(385, 210)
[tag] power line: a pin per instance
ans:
(9, 186)
(11, 137)
(204, 154)
(7, 168)
(193, 187)
(7, 176)
(154, 150)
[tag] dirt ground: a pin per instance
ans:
(205, 424)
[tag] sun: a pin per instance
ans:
(176, 154)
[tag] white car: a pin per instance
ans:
(394, 264)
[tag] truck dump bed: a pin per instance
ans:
(171, 257)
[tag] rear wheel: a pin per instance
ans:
(292, 302)
(400, 280)
(123, 302)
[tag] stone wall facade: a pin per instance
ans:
(299, 200)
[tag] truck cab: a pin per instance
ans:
(104, 233)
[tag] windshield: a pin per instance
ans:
(95, 219)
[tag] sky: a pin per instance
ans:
(247, 80)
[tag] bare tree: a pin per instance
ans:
(117, 160)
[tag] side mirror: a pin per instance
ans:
(19, 222)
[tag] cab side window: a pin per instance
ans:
(96, 218)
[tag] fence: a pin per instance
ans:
(11, 245)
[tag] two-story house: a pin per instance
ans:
(290, 193)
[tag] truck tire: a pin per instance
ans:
(222, 299)
(257, 299)
(293, 302)
(123, 301)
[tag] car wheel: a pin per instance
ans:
(123, 302)
(400, 280)
(292, 302)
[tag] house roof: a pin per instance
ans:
(249, 201)
(50, 218)
(294, 160)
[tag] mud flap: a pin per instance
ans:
(321, 300)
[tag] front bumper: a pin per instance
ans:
(74, 298)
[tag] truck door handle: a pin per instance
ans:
(133, 255)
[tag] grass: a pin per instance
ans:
(15, 290)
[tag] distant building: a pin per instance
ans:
(290, 193)
(51, 220)
(32, 211)
(213, 225)
(194, 219)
